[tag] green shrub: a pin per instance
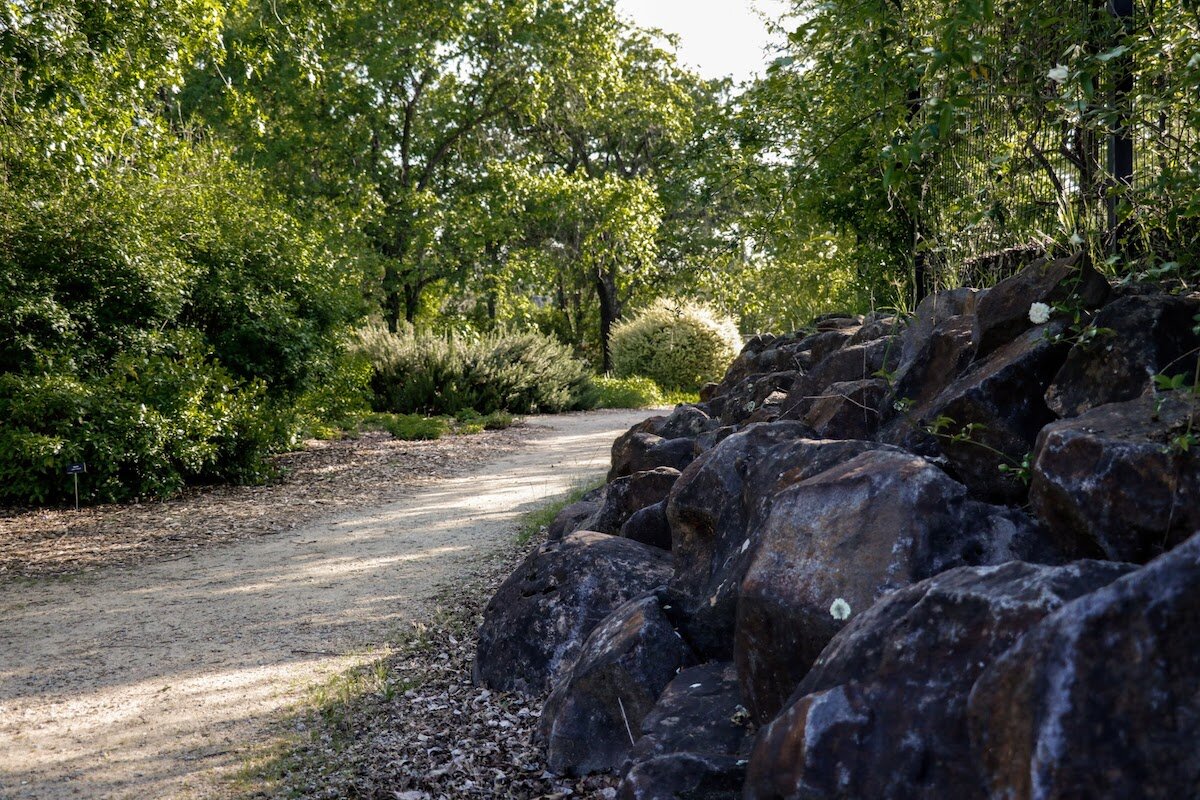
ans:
(678, 345)
(498, 421)
(410, 427)
(520, 373)
(635, 392)
(163, 417)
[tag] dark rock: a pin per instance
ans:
(936, 360)
(716, 510)
(857, 363)
(853, 533)
(933, 311)
(837, 322)
(991, 415)
(624, 665)
(1003, 313)
(1149, 334)
(708, 391)
(876, 327)
(535, 625)
(687, 421)
(641, 451)
(573, 517)
(848, 410)
(649, 526)
(625, 496)
(1107, 483)
(752, 393)
(1100, 699)
(901, 731)
(694, 742)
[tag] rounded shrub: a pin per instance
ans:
(677, 345)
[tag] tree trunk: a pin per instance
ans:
(610, 311)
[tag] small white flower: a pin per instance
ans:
(1059, 74)
(840, 609)
(1076, 239)
(1039, 313)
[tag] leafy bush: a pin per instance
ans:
(516, 372)
(164, 416)
(678, 345)
(498, 421)
(410, 427)
(635, 392)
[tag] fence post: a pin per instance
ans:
(1120, 142)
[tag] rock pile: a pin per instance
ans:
(950, 556)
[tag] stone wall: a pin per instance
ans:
(948, 556)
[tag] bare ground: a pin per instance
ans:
(153, 674)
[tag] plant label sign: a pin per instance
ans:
(76, 469)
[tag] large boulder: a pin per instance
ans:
(1003, 312)
(626, 496)
(649, 526)
(850, 410)
(694, 743)
(1100, 699)
(990, 416)
(936, 309)
(626, 662)
(715, 512)
(1141, 337)
(574, 516)
(891, 688)
(837, 542)
(935, 361)
(753, 393)
(856, 363)
(639, 451)
(535, 625)
(1109, 482)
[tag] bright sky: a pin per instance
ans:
(717, 37)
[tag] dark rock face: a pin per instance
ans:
(1002, 397)
(624, 497)
(754, 392)
(1003, 313)
(1100, 699)
(715, 512)
(856, 363)
(876, 327)
(649, 526)
(876, 523)
(1150, 334)
(933, 311)
(935, 361)
(851, 410)
(694, 742)
(892, 686)
(535, 625)
(624, 665)
(573, 517)
(1104, 483)
(639, 451)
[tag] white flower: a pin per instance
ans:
(1076, 239)
(840, 609)
(1039, 313)
(1059, 74)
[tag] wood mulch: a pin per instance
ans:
(315, 482)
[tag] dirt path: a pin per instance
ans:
(148, 682)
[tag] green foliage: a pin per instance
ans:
(516, 372)
(632, 392)
(409, 427)
(678, 345)
(163, 417)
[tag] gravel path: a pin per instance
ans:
(151, 680)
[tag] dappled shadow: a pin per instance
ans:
(139, 682)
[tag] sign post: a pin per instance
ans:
(74, 470)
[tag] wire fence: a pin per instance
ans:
(1070, 124)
